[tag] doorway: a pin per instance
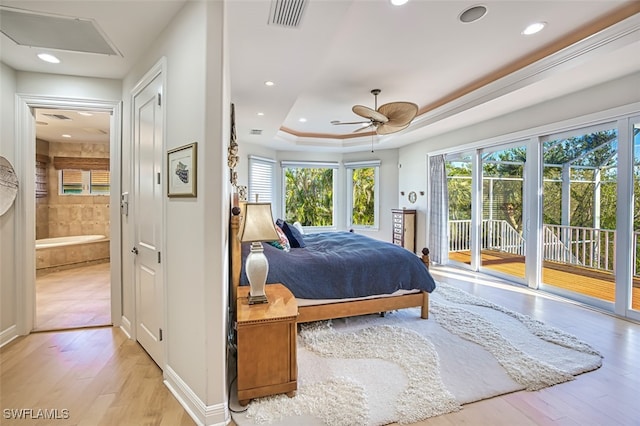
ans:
(27, 105)
(72, 202)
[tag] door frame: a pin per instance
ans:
(25, 202)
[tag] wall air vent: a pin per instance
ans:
(255, 132)
(286, 13)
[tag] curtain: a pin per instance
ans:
(439, 217)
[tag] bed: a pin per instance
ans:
(395, 279)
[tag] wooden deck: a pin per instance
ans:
(593, 283)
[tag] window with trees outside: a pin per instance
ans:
(309, 189)
(84, 182)
(362, 193)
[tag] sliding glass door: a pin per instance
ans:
(580, 180)
(558, 212)
(635, 239)
(459, 189)
(502, 235)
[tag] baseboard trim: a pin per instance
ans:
(203, 415)
(125, 326)
(8, 335)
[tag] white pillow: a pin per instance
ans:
(298, 226)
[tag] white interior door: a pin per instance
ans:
(148, 210)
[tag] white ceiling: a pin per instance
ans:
(342, 49)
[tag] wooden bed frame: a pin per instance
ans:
(332, 310)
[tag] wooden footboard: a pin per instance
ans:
(363, 307)
(331, 310)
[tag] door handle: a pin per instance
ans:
(134, 250)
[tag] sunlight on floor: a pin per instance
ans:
(78, 297)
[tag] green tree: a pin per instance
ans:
(309, 196)
(363, 196)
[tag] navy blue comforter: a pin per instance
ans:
(337, 265)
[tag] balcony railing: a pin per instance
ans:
(496, 235)
(588, 247)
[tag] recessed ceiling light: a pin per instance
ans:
(269, 83)
(302, 120)
(48, 58)
(534, 28)
(472, 14)
(66, 136)
(261, 114)
(398, 2)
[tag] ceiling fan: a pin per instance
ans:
(387, 119)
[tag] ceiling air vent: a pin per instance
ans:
(58, 116)
(286, 13)
(33, 29)
(255, 132)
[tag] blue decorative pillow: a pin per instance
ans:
(294, 236)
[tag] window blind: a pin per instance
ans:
(261, 179)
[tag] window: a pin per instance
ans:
(84, 182)
(100, 182)
(362, 193)
(309, 189)
(261, 179)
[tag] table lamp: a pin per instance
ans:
(257, 226)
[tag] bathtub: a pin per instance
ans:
(67, 241)
(59, 252)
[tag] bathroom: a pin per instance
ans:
(72, 219)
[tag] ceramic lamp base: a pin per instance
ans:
(257, 268)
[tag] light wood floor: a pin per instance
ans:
(71, 298)
(98, 375)
(104, 379)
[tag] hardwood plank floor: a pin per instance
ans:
(76, 297)
(103, 378)
(96, 376)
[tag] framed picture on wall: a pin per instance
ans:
(182, 171)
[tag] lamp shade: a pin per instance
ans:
(257, 223)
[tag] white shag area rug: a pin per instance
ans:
(374, 370)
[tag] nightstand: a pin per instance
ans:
(266, 339)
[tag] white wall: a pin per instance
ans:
(195, 256)
(67, 86)
(7, 221)
(606, 96)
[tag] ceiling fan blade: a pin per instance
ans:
(336, 123)
(386, 129)
(372, 114)
(363, 128)
(399, 113)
